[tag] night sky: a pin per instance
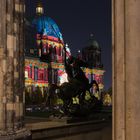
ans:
(77, 19)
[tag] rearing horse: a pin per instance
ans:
(77, 84)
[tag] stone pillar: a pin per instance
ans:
(12, 70)
(126, 69)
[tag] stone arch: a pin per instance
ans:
(125, 52)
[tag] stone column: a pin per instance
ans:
(126, 69)
(12, 70)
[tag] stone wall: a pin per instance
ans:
(90, 130)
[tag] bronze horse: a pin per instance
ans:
(77, 84)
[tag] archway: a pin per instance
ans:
(126, 31)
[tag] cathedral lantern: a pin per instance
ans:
(39, 9)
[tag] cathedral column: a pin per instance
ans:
(57, 54)
(126, 69)
(12, 70)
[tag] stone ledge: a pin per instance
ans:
(52, 130)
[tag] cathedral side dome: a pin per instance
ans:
(92, 44)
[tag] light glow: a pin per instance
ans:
(39, 10)
(63, 78)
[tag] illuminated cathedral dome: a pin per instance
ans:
(45, 25)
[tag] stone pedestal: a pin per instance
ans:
(126, 68)
(12, 70)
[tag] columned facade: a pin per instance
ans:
(126, 69)
(12, 70)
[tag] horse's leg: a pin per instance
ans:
(82, 96)
(66, 106)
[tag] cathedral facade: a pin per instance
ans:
(44, 52)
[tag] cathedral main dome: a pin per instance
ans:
(46, 26)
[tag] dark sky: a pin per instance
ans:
(77, 19)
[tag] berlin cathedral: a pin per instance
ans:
(45, 55)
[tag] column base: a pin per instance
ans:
(23, 134)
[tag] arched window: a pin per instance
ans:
(41, 76)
